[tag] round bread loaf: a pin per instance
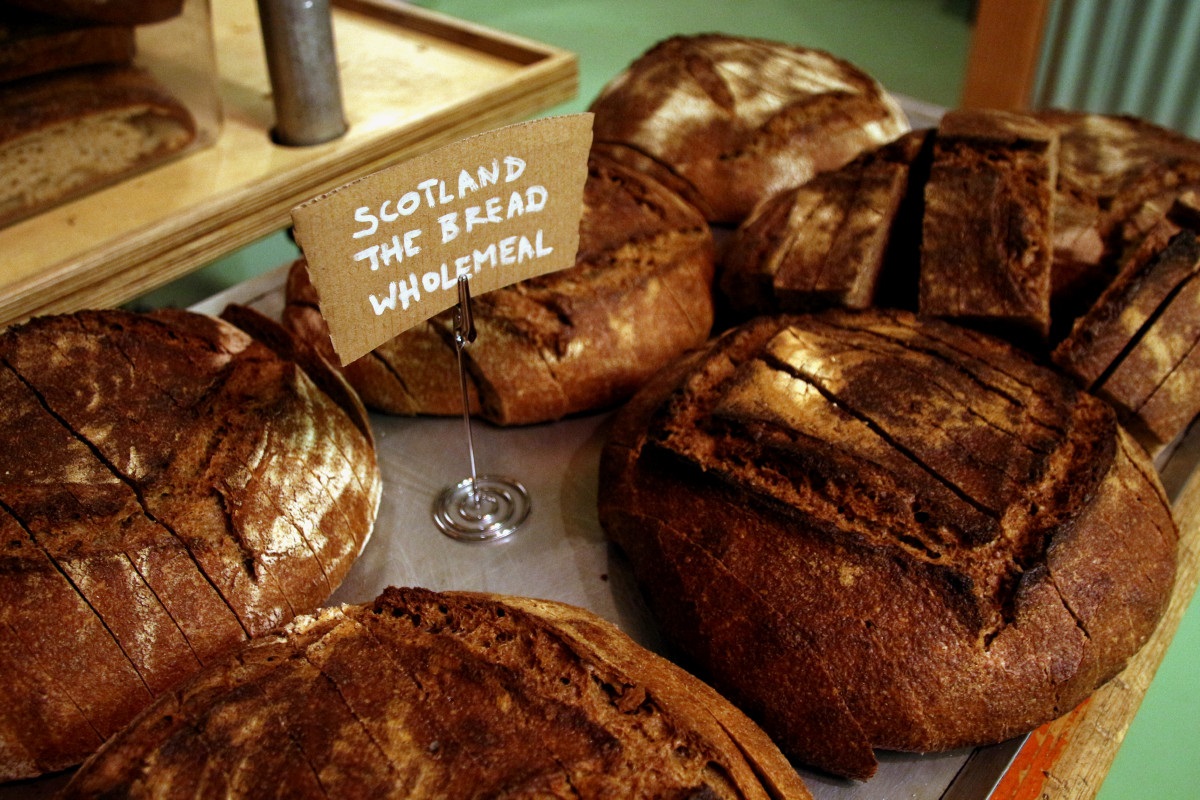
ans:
(169, 487)
(872, 530)
(727, 121)
(831, 241)
(568, 342)
(424, 695)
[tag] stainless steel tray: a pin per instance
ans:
(559, 553)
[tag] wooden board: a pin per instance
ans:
(411, 80)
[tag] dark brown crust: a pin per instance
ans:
(729, 121)
(453, 694)
(171, 487)
(829, 241)
(38, 103)
(119, 12)
(578, 340)
(1117, 176)
(1137, 346)
(31, 44)
(986, 237)
(775, 532)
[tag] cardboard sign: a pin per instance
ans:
(385, 252)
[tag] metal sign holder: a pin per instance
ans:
(479, 508)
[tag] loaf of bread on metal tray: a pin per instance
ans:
(169, 487)
(71, 131)
(872, 530)
(728, 121)
(441, 695)
(578, 340)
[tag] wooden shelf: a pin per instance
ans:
(411, 80)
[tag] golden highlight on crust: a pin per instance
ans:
(171, 488)
(908, 528)
(453, 694)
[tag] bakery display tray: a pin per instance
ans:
(411, 80)
(560, 554)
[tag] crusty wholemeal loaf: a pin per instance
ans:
(875, 530)
(170, 487)
(454, 694)
(1117, 176)
(998, 227)
(70, 131)
(727, 121)
(567, 342)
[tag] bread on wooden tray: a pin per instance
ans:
(169, 487)
(423, 694)
(120, 12)
(32, 44)
(71, 131)
(728, 121)
(568, 342)
(874, 530)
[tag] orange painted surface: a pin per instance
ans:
(1027, 774)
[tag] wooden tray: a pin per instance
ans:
(411, 80)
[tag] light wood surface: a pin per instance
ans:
(411, 80)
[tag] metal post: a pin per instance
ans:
(298, 37)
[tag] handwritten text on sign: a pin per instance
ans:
(386, 251)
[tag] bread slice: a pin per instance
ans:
(578, 340)
(828, 242)
(69, 132)
(1139, 345)
(874, 530)
(454, 694)
(171, 487)
(986, 245)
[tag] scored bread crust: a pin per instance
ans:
(728, 121)
(170, 488)
(453, 694)
(577, 340)
(876, 531)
